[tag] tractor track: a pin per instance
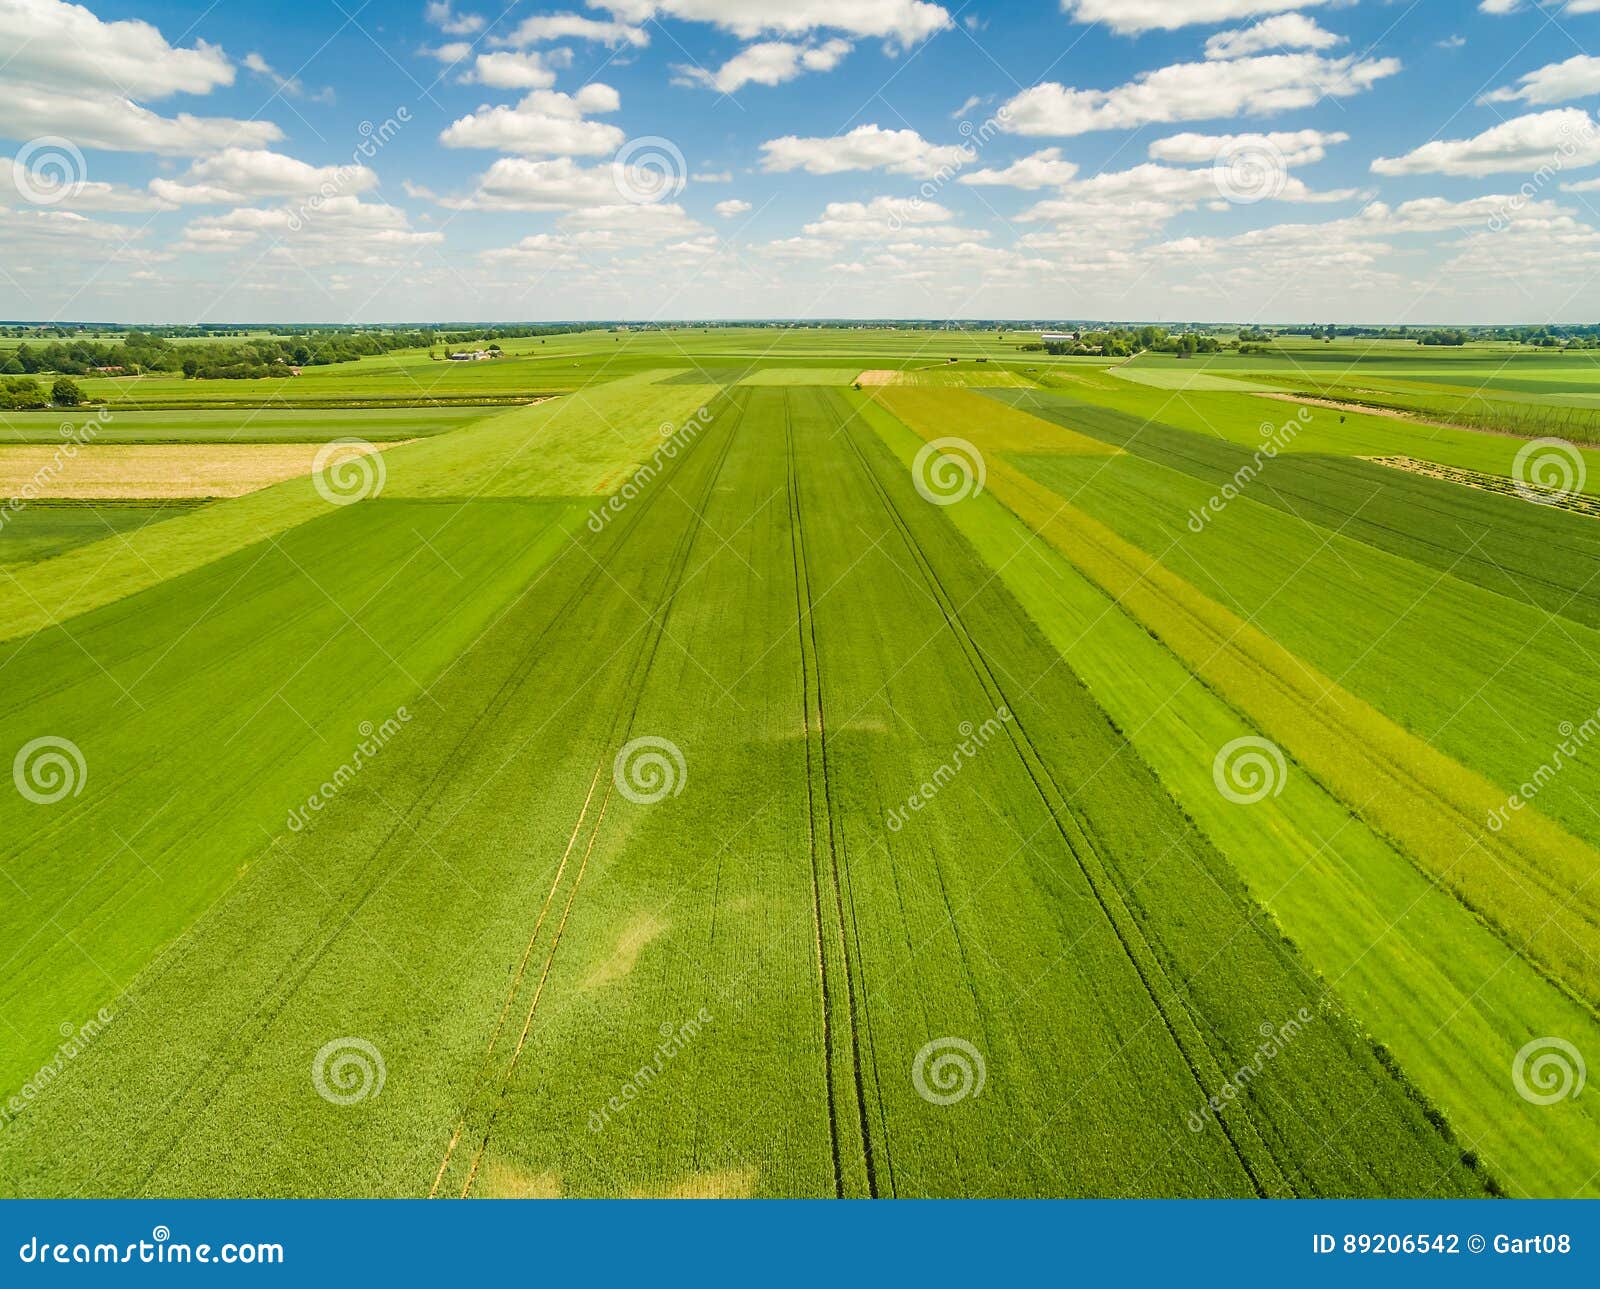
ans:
(1040, 775)
(812, 682)
(214, 1073)
(644, 661)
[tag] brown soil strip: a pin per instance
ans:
(1373, 409)
(1576, 502)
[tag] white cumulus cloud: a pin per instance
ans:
(1578, 77)
(769, 62)
(1166, 15)
(1286, 31)
(1043, 169)
(903, 21)
(867, 147)
(545, 123)
(1567, 138)
(1195, 92)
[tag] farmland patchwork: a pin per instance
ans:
(829, 767)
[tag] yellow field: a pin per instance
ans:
(98, 472)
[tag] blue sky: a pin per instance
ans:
(1295, 160)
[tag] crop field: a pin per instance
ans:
(98, 471)
(49, 528)
(243, 425)
(1498, 388)
(800, 761)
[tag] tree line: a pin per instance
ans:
(137, 352)
(1124, 342)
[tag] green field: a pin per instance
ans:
(242, 425)
(716, 779)
(1501, 388)
(46, 529)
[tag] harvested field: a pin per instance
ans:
(95, 472)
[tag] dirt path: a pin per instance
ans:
(1392, 413)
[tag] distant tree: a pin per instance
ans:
(21, 393)
(65, 392)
